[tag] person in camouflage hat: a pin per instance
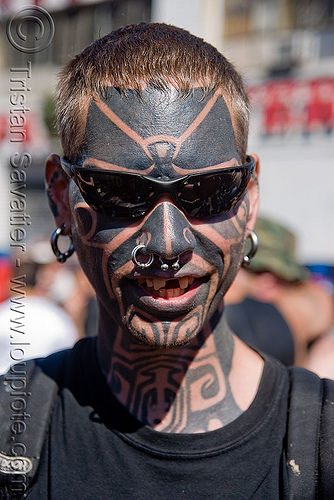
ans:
(273, 304)
(276, 252)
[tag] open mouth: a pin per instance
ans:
(167, 289)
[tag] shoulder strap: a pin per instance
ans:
(27, 396)
(306, 397)
(326, 442)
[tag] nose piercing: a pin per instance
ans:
(175, 265)
(143, 265)
(164, 266)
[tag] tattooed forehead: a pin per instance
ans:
(160, 133)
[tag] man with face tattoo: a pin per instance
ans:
(158, 195)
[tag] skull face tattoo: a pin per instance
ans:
(163, 136)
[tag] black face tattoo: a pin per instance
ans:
(163, 136)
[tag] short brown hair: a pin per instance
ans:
(156, 54)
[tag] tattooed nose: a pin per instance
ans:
(168, 231)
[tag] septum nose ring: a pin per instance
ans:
(143, 265)
(175, 265)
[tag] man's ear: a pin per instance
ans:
(254, 196)
(57, 185)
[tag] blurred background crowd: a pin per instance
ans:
(283, 303)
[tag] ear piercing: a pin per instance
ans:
(254, 245)
(61, 256)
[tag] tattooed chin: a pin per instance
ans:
(162, 334)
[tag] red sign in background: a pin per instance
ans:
(294, 106)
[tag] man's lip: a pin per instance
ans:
(166, 287)
(161, 299)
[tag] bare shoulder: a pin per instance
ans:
(321, 356)
(246, 373)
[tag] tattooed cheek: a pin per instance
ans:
(83, 220)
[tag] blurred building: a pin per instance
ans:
(284, 48)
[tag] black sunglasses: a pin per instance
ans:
(128, 195)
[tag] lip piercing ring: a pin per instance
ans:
(143, 265)
(175, 265)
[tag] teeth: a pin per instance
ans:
(157, 284)
(168, 293)
(184, 282)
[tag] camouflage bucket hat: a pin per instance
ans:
(276, 252)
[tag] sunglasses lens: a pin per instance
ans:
(213, 194)
(122, 196)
